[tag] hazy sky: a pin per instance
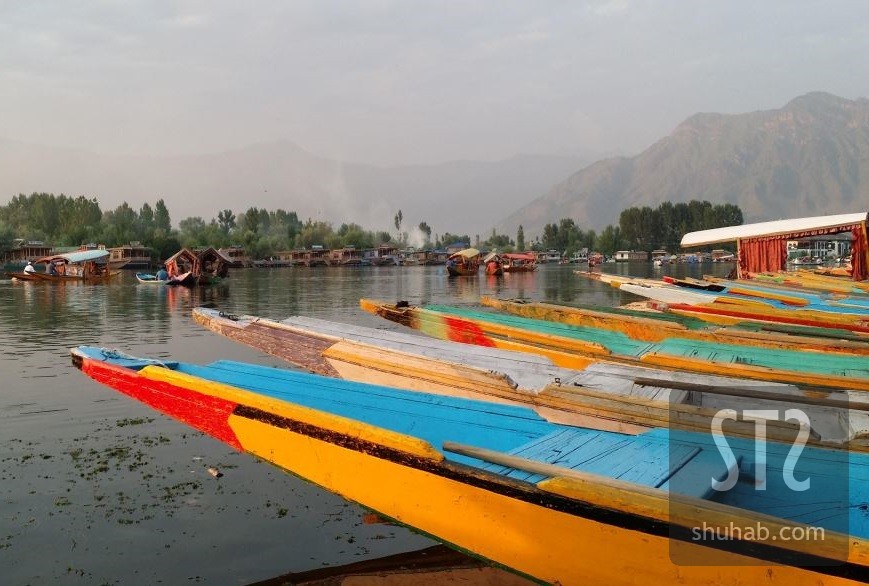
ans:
(410, 82)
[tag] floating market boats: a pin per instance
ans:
(556, 503)
(602, 395)
(556, 339)
(654, 326)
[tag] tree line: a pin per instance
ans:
(642, 228)
(71, 221)
(60, 220)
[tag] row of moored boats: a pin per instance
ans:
(571, 444)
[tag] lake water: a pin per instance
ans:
(97, 488)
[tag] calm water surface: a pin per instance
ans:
(97, 488)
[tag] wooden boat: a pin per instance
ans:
(494, 264)
(697, 292)
(189, 268)
(519, 262)
(556, 503)
(721, 308)
(23, 276)
(150, 279)
(83, 265)
(792, 295)
(555, 340)
(187, 279)
(602, 395)
(464, 263)
(653, 326)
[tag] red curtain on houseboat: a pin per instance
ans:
(759, 255)
(859, 271)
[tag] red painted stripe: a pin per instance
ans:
(466, 332)
(855, 327)
(203, 412)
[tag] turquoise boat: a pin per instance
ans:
(559, 504)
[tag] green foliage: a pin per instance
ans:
(609, 241)
(566, 237)
(71, 221)
(500, 242)
(663, 227)
(226, 220)
(446, 239)
(162, 221)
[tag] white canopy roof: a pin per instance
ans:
(774, 228)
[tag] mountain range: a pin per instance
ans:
(810, 157)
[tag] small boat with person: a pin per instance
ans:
(83, 265)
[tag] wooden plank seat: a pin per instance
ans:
(645, 460)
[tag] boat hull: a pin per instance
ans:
(559, 530)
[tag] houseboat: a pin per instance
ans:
(409, 257)
(631, 256)
(580, 256)
(280, 259)
(15, 258)
(238, 257)
(433, 257)
(317, 256)
(348, 256)
(660, 257)
(299, 257)
(130, 256)
(548, 256)
(386, 255)
(721, 255)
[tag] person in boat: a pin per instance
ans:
(29, 268)
(162, 275)
(50, 268)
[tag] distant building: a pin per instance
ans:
(631, 256)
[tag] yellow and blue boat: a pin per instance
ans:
(556, 503)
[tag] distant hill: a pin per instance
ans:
(459, 197)
(810, 157)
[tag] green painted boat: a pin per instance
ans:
(494, 329)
